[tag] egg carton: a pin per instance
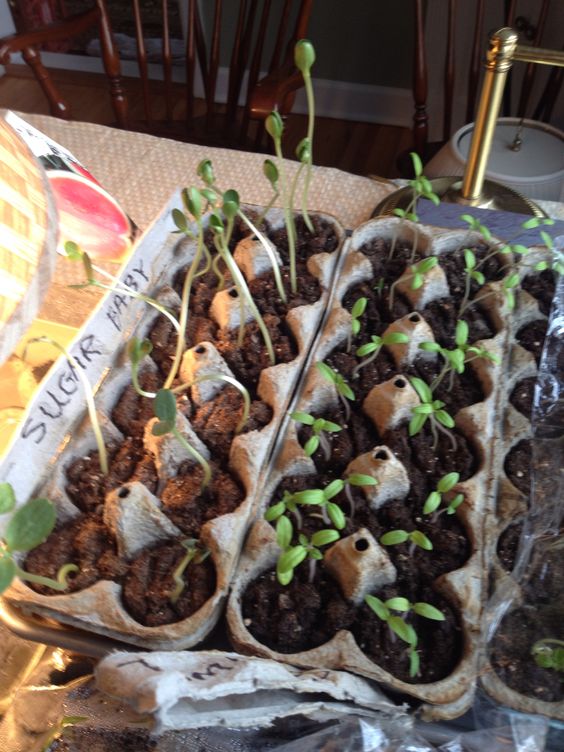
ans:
(466, 587)
(56, 432)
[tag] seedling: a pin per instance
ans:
(196, 553)
(435, 498)
(165, 410)
(275, 127)
(271, 173)
(472, 274)
(415, 538)
(398, 625)
(358, 480)
(74, 253)
(357, 311)
(79, 375)
(372, 348)
(319, 427)
(228, 380)
(307, 548)
(67, 721)
(137, 349)
(222, 235)
(557, 261)
(422, 188)
(304, 58)
(455, 360)
(416, 274)
(432, 410)
(549, 653)
(29, 526)
(316, 497)
(343, 389)
(213, 194)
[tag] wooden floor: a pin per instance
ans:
(360, 148)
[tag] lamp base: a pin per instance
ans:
(494, 196)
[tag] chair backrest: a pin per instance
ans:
(28, 42)
(228, 47)
(447, 17)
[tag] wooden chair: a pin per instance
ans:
(507, 15)
(28, 42)
(247, 97)
(166, 108)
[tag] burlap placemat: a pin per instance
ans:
(143, 171)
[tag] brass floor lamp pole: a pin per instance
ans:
(473, 189)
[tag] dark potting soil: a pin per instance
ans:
(87, 485)
(149, 583)
(323, 239)
(132, 412)
(541, 286)
(517, 466)
(531, 337)
(508, 544)
(523, 395)
(510, 650)
(189, 508)
(216, 421)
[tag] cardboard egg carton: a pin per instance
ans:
(39, 457)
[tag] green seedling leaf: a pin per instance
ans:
(417, 423)
(455, 503)
(425, 266)
(430, 346)
(511, 281)
(7, 572)
(311, 496)
(274, 125)
(359, 307)
(531, 224)
(394, 537)
(179, 220)
(331, 427)
(398, 625)
(311, 446)
(444, 418)
(461, 333)
(7, 498)
(137, 349)
(275, 511)
(205, 172)
(303, 151)
(469, 260)
(314, 553)
(395, 338)
(359, 479)
(73, 251)
(216, 223)
(546, 239)
(193, 201)
(432, 502)
(336, 515)
(324, 537)
(417, 164)
(428, 611)
(305, 418)
(478, 277)
(422, 389)
(417, 281)
(398, 604)
(414, 663)
(284, 532)
(327, 372)
(291, 558)
(271, 172)
(30, 525)
(378, 606)
(230, 204)
(304, 56)
(334, 488)
(447, 482)
(165, 406)
(421, 540)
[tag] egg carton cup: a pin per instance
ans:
(37, 460)
(465, 587)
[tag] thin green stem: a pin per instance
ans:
(289, 216)
(204, 464)
(137, 386)
(266, 245)
(310, 127)
(88, 395)
(59, 584)
(365, 362)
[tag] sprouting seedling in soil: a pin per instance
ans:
(304, 58)
(74, 253)
(357, 312)
(472, 275)
(415, 538)
(556, 263)
(307, 548)
(227, 380)
(271, 173)
(79, 375)
(165, 410)
(343, 389)
(275, 127)
(214, 195)
(436, 497)
(399, 626)
(455, 360)
(311, 497)
(193, 201)
(416, 274)
(67, 721)
(369, 351)
(319, 427)
(222, 235)
(421, 188)
(549, 653)
(356, 480)
(29, 526)
(137, 349)
(431, 410)
(196, 553)
(379, 286)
